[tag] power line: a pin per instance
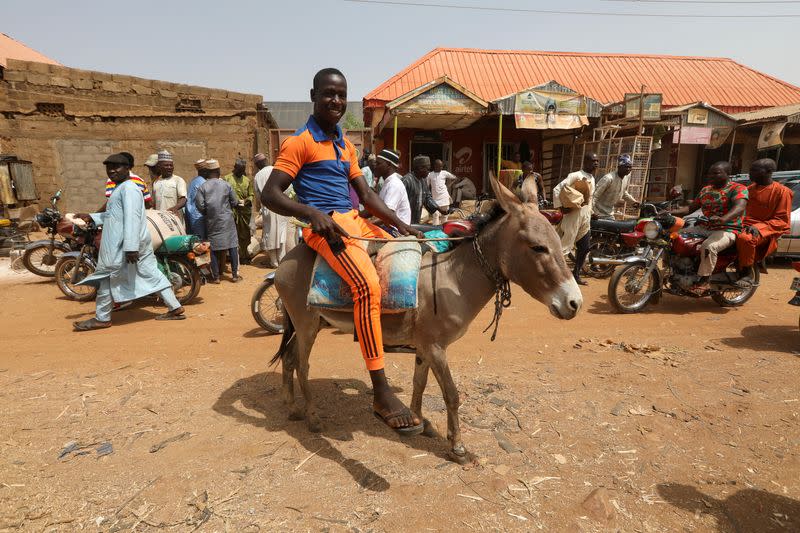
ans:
(698, 2)
(583, 13)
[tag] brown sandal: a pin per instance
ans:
(89, 325)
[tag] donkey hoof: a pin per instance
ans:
(297, 414)
(314, 424)
(459, 454)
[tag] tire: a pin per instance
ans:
(621, 282)
(63, 275)
(190, 279)
(737, 297)
(266, 307)
(40, 261)
(599, 249)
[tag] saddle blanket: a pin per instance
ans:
(397, 263)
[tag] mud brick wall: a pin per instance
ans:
(66, 121)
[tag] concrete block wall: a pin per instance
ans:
(106, 113)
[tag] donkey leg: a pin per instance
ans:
(304, 344)
(441, 370)
(420, 381)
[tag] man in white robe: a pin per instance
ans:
(274, 227)
(126, 266)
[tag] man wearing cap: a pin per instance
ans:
(243, 211)
(195, 224)
(110, 185)
(274, 227)
(152, 167)
(321, 163)
(169, 190)
(126, 265)
(612, 189)
(393, 193)
(215, 200)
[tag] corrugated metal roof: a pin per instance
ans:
(292, 115)
(771, 112)
(492, 74)
(10, 48)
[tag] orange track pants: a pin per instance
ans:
(357, 270)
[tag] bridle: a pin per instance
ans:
(502, 288)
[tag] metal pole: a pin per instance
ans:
(641, 111)
(733, 143)
(394, 144)
(499, 144)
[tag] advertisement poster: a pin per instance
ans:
(719, 135)
(540, 110)
(651, 109)
(697, 116)
(771, 135)
(692, 135)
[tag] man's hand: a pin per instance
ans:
(715, 220)
(752, 230)
(86, 217)
(323, 225)
(132, 257)
(173, 210)
(405, 229)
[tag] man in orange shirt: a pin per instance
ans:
(768, 217)
(321, 164)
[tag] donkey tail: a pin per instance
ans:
(286, 349)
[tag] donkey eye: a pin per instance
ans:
(539, 249)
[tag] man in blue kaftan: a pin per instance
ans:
(126, 266)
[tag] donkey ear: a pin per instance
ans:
(507, 199)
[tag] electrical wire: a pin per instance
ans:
(559, 12)
(700, 2)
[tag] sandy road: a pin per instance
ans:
(685, 417)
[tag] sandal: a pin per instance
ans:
(89, 325)
(403, 432)
(177, 314)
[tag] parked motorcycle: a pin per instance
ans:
(40, 257)
(795, 286)
(183, 259)
(640, 280)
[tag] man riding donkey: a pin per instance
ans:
(320, 163)
(723, 202)
(769, 211)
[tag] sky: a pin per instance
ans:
(274, 47)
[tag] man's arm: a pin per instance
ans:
(132, 206)
(378, 208)
(685, 210)
(540, 186)
(181, 196)
(737, 210)
(780, 221)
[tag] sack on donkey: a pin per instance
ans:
(397, 263)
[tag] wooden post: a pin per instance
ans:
(733, 143)
(499, 144)
(394, 143)
(641, 111)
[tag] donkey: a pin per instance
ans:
(518, 244)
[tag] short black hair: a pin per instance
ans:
(724, 165)
(330, 71)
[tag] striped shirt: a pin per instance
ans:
(110, 185)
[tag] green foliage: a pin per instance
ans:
(352, 122)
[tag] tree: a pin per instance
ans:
(352, 122)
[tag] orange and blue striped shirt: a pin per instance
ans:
(322, 167)
(110, 186)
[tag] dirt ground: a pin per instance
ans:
(683, 418)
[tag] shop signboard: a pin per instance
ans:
(543, 110)
(698, 115)
(440, 100)
(771, 135)
(692, 135)
(651, 109)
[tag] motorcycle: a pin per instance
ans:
(40, 257)
(639, 280)
(795, 285)
(183, 259)
(266, 307)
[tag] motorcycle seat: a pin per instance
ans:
(613, 226)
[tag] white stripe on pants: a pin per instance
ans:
(104, 303)
(715, 243)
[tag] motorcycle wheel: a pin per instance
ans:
(40, 261)
(266, 307)
(734, 297)
(599, 249)
(63, 274)
(190, 280)
(629, 291)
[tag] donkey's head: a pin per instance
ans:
(529, 254)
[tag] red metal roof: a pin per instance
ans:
(10, 48)
(492, 74)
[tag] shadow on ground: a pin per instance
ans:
(668, 305)
(344, 405)
(764, 337)
(745, 510)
